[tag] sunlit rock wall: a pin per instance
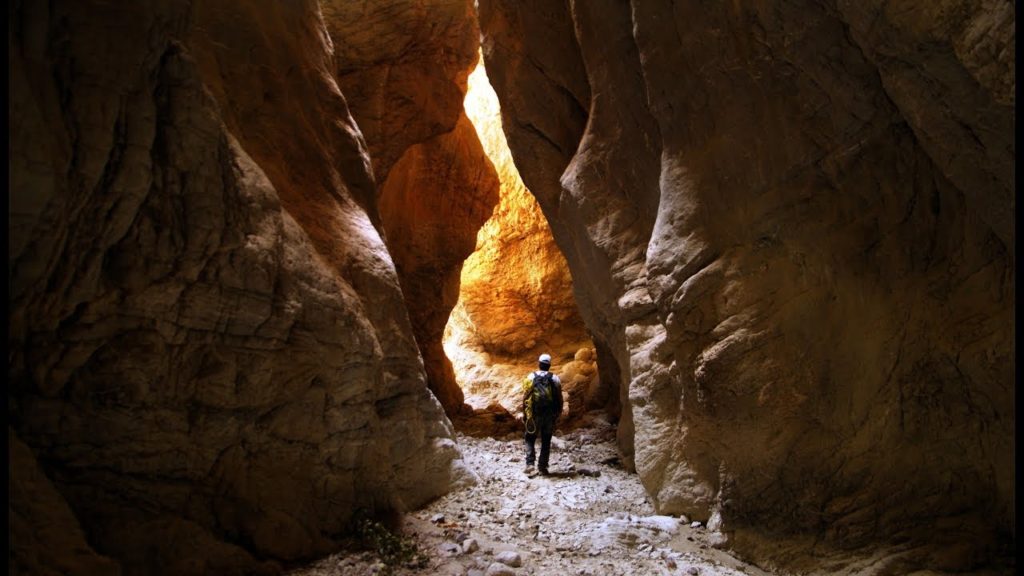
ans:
(789, 228)
(209, 355)
(516, 299)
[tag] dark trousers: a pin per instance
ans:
(545, 427)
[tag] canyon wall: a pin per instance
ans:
(790, 231)
(403, 67)
(211, 367)
(432, 204)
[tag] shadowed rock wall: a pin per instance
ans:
(210, 357)
(403, 67)
(433, 202)
(789, 231)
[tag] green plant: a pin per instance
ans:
(392, 549)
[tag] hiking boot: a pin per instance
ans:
(530, 469)
(544, 472)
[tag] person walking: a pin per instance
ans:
(542, 405)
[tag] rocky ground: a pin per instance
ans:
(589, 517)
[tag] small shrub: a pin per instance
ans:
(392, 549)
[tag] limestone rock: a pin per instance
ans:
(948, 67)
(208, 342)
(402, 67)
(509, 558)
(787, 226)
(45, 537)
(499, 569)
(492, 420)
(432, 204)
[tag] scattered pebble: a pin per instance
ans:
(580, 522)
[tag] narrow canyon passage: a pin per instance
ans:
(276, 268)
(515, 299)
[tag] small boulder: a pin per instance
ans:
(449, 549)
(499, 569)
(510, 558)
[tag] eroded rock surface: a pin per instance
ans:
(45, 537)
(209, 350)
(432, 204)
(788, 225)
(403, 67)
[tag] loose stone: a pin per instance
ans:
(498, 569)
(509, 558)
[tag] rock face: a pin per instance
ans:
(432, 204)
(210, 356)
(403, 67)
(789, 231)
(44, 534)
(515, 298)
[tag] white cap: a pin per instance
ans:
(546, 358)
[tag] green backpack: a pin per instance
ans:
(542, 394)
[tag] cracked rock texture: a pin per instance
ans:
(789, 226)
(211, 366)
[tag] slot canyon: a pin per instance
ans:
(269, 262)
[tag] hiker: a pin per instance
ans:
(542, 405)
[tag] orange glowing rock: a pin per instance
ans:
(516, 296)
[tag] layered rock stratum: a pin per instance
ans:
(789, 226)
(211, 366)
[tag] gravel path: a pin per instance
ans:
(589, 517)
